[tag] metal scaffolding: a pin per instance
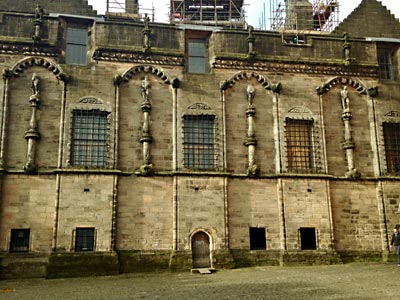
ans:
(323, 15)
(208, 12)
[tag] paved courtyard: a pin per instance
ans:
(352, 281)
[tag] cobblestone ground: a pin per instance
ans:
(352, 281)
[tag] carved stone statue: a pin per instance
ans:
(250, 93)
(344, 95)
(145, 88)
(38, 12)
(35, 86)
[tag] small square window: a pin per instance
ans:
(84, 239)
(19, 241)
(257, 238)
(308, 238)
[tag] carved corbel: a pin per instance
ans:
(276, 87)
(223, 85)
(373, 91)
(321, 89)
(175, 83)
(117, 80)
(7, 73)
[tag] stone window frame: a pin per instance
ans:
(391, 117)
(302, 113)
(309, 228)
(198, 35)
(264, 242)
(390, 68)
(203, 109)
(77, 23)
(91, 103)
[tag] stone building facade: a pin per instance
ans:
(130, 145)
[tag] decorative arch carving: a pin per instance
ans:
(356, 84)
(28, 62)
(264, 81)
(128, 74)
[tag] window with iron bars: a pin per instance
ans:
(84, 239)
(198, 142)
(19, 241)
(391, 133)
(300, 148)
(89, 138)
(385, 63)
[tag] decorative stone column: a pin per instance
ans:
(348, 144)
(251, 54)
(251, 141)
(33, 135)
(146, 34)
(346, 51)
(38, 22)
(146, 139)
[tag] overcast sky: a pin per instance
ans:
(253, 8)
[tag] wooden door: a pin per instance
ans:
(201, 250)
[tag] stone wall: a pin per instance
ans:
(145, 213)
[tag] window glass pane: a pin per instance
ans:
(197, 65)
(391, 133)
(199, 142)
(75, 54)
(299, 145)
(77, 41)
(89, 138)
(19, 241)
(197, 56)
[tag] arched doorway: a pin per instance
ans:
(201, 250)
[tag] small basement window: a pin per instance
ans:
(84, 239)
(19, 241)
(308, 238)
(257, 238)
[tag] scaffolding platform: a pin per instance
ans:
(208, 12)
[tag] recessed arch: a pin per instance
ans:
(201, 249)
(18, 68)
(128, 74)
(244, 75)
(339, 80)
